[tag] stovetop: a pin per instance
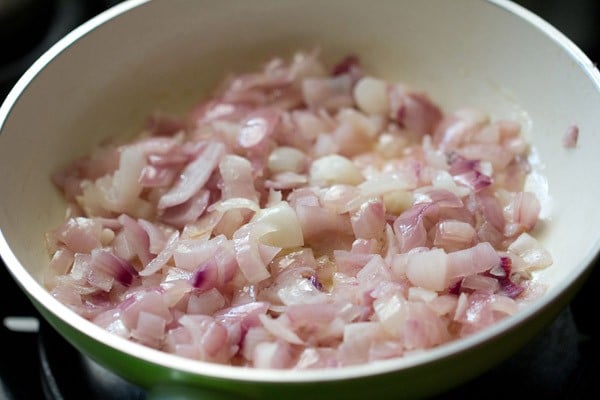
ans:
(563, 362)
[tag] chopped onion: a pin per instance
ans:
(530, 251)
(473, 260)
(371, 95)
(287, 159)
(428, 269)
(284, 227)
(571, 136)
(303, 217)
(334, 169)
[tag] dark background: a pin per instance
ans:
(562, 363)
(29, 27)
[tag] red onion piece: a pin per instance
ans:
(115, 266)
(205, 277)
(194, 176)
(345, 65)
(571, 136)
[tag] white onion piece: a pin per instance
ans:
(334, 169)
(473, 260)
(80, 234)
(284, 226)
(286, 181)
(258, 127)
(137, 238)
(371, 95)
(420, 294)
(391, 313)
(60, 264)
(504, 304)
(156, 236)
(369, 221)
(428, 269)
(530, 251)
(175, 290)
(208, 335)
(150, 327)
(385, 184)
(340, 198)
(254, 336)
(358, 338)
(480, 282)
(123, 188)
(355, 133)
(524, 210)
(452, 234)
(422, 328)
(397, 201)
(537, 184)
(247, 252)
(163, 257)
(443, 304)
(443, 180)
(111, 321)
(234, 204)
(148, 300)
(238, 181)
(287, 159)
(328, 93)
(280, 328)
(272, 355)
(194, 176)
(410, 229)
(206, 303)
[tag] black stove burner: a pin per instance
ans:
(29, 27)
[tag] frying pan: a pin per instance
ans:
(104, 77)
